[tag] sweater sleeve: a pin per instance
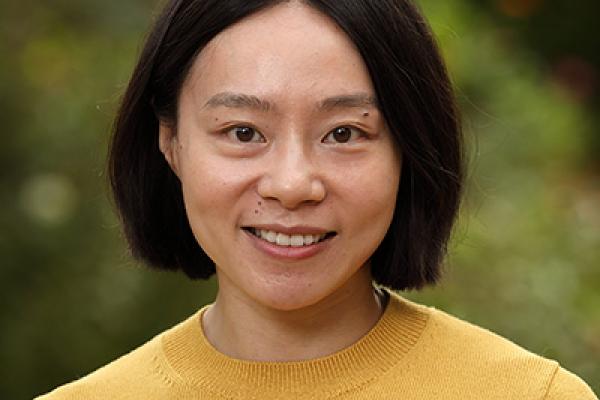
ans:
(567, 386)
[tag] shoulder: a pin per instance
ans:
(466, 338)
(459, 337)
(566, 385)
(143, 370)
(468, 356)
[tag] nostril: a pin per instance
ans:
(291, 189)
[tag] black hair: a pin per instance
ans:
(413, 92)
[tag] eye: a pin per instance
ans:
(245, 134)
(342, 134)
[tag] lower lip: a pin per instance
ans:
(290, 253)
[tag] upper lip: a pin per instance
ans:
(290, 230)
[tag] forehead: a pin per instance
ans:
(287, 53)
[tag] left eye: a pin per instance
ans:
(342, 134)
(245, 134)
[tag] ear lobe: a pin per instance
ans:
(168, 146)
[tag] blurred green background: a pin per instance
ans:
(525, 260)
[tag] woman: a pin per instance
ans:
(302, 150)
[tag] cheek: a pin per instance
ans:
(214, 192)
(211, 182)
(369, 200)
(372, 188)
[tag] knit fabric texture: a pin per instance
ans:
(413, 352)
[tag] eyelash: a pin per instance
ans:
(231, 133)
(360, 133)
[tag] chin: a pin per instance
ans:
(290, 297)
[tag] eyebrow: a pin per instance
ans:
(241, 100)
(238, 100)
(355, 100)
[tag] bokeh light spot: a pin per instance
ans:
(519, 8)
(49, 198)
(577, 77)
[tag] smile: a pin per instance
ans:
(285, 240)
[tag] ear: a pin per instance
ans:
(167, 142)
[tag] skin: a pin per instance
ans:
(293, 172)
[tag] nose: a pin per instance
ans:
(291, 178)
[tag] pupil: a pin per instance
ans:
(244, 134)
(342, 135)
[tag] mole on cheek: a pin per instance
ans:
(255, 211)
(366, 114)
(260, 203)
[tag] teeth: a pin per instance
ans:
(297, 240)
(308, 239)
(269, 236)
(281, 239)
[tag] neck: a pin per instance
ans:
(242, 329)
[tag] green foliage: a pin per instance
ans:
(524, 261)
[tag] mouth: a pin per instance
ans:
(289, 240)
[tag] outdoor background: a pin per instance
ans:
(525, 260)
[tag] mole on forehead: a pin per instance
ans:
(241, 100)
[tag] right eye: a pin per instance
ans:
(245, 134)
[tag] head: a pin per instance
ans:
(326, 117)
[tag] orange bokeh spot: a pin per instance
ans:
(577, 77)
(518, 8)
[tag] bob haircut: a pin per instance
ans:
(413, 93)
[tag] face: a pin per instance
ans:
(288, 172)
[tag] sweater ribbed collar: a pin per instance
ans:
(200, 365)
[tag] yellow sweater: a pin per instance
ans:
(413, 352)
